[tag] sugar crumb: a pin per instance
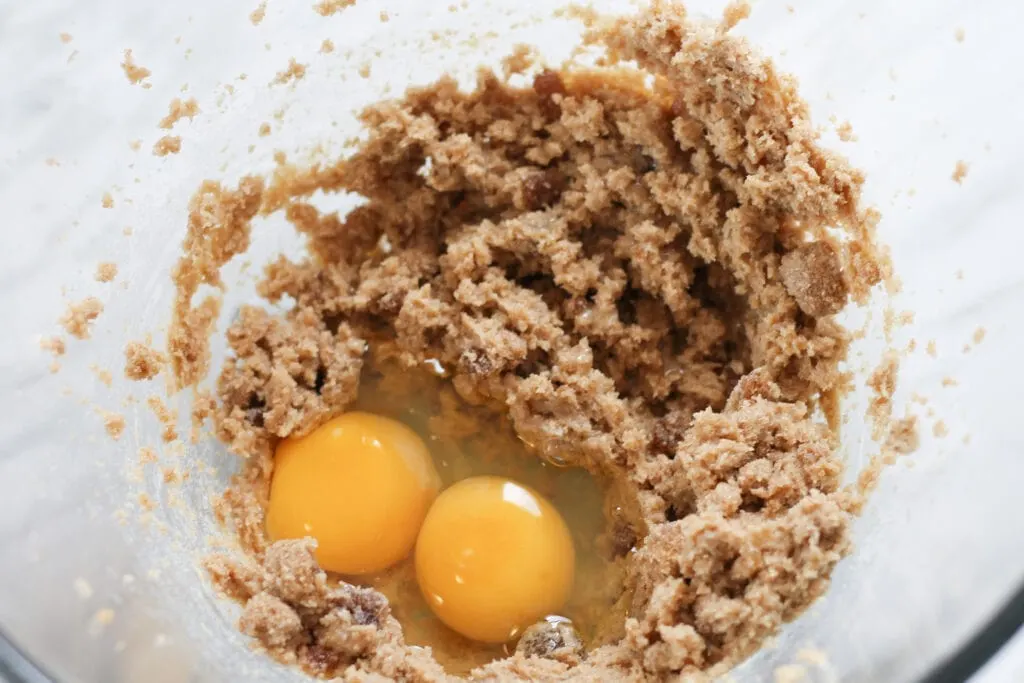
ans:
(845, 132)
(107, 201)
(113, 423)
(106, 271)
(979, 335)
(384, 16)
(258, 14)
(960, 35)
(293, 72)
(326, 8)
(178, 110)
(168, 144)
(949, 382)
(264, 129)
(79, 316)
(54, 345)
(146, 502)
(903, 436)
(135, 145)
(932, 349)
(165, 416)
(364, 70)
(66, 38)
(102, 375)
(142, 361)
(327, 46)
(882, 383)
(135, 73)
(735, 12)
(960, 172)
(940, 430)
(147, 456)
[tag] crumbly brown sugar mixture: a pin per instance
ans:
(141, 361)
(640, 278)
(168, 144)
(79, 316)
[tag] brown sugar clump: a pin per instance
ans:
(813, 275)
(102, 375)
(142, 361)
(904, 436)
(293, 72)
(135, 73)
(735, 12)
(960, 172)
(845, 132)
(113, 423)
(304, 374)
(178, 110)
(204, 406)
(258, 14)
(640, 279)
(272, 622)
(79, 316)
(165, 416)
(54, 345)
(168, 144)
(106, 271)
(293, 574)
(882, 383)
(218, 229)
(326, 8)
(337, 624)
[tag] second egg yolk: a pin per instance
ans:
(360, 485)
(493, 557)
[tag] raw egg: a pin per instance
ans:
(493, 557)
(360, 485)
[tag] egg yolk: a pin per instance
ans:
(493, 557)
(360, 485)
